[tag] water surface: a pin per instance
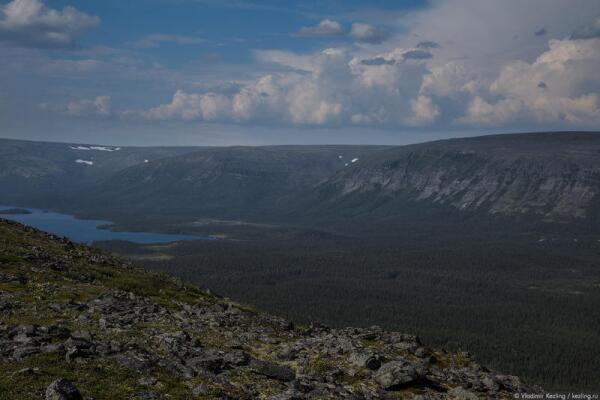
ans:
(87, 230)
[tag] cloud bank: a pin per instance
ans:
(29, 23)
(461, 64)
(399, 88)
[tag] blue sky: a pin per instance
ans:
(259, 72)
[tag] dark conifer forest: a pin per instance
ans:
(525, 306)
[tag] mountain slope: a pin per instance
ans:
(49, 174)
(549, 177)
(541, 177)
(76, 320)
(231, 182)
(552, 177)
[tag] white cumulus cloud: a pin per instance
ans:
(326, 27)
(29, 23)
(331, 87)
(569, 93)
(464, 64)
(365, 33)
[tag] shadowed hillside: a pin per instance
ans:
(76, 322)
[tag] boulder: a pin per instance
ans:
(272, 370)
(460, 393)
(367, 359)
(400, 374)
(209, 362)
(62, 389)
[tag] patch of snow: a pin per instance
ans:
(86, 162)
(145, 161)
(98, 148)
(346, 164)
(354, 160)
(102, 148)
(340, 157)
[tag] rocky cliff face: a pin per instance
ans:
(556, 177)
(76, 323)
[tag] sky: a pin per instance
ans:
(219, 72)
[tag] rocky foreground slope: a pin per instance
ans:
(77, 323)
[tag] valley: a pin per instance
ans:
(486, 244)
(459, 292)
(299, 200)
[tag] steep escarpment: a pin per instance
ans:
(555, 177)
(79, 323)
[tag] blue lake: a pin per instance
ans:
(86, 230)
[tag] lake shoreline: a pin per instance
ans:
(87, 230)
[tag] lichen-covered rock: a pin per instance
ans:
(460, 393)
(62, 389)
(272, 370)
(399, 374)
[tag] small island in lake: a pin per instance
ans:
(15, 211)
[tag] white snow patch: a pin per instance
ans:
(145, 161)
(102, 148)
(97, 148)
(346, 164)
(354, 160)
(340, 157)
(86, 162)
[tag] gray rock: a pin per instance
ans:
(490, 384)
(62, 389)
(460, 393)
(53, 348)
(147, 395)
(422, 352)
(201, 390)
(367, 359)
(399, 374)
(237, 358)
(134, 360)
(148, 381)
(272, 370)
(23, 352)
(209, 362)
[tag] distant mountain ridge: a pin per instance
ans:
(232, 182)
(552, 177)
(48, 174)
